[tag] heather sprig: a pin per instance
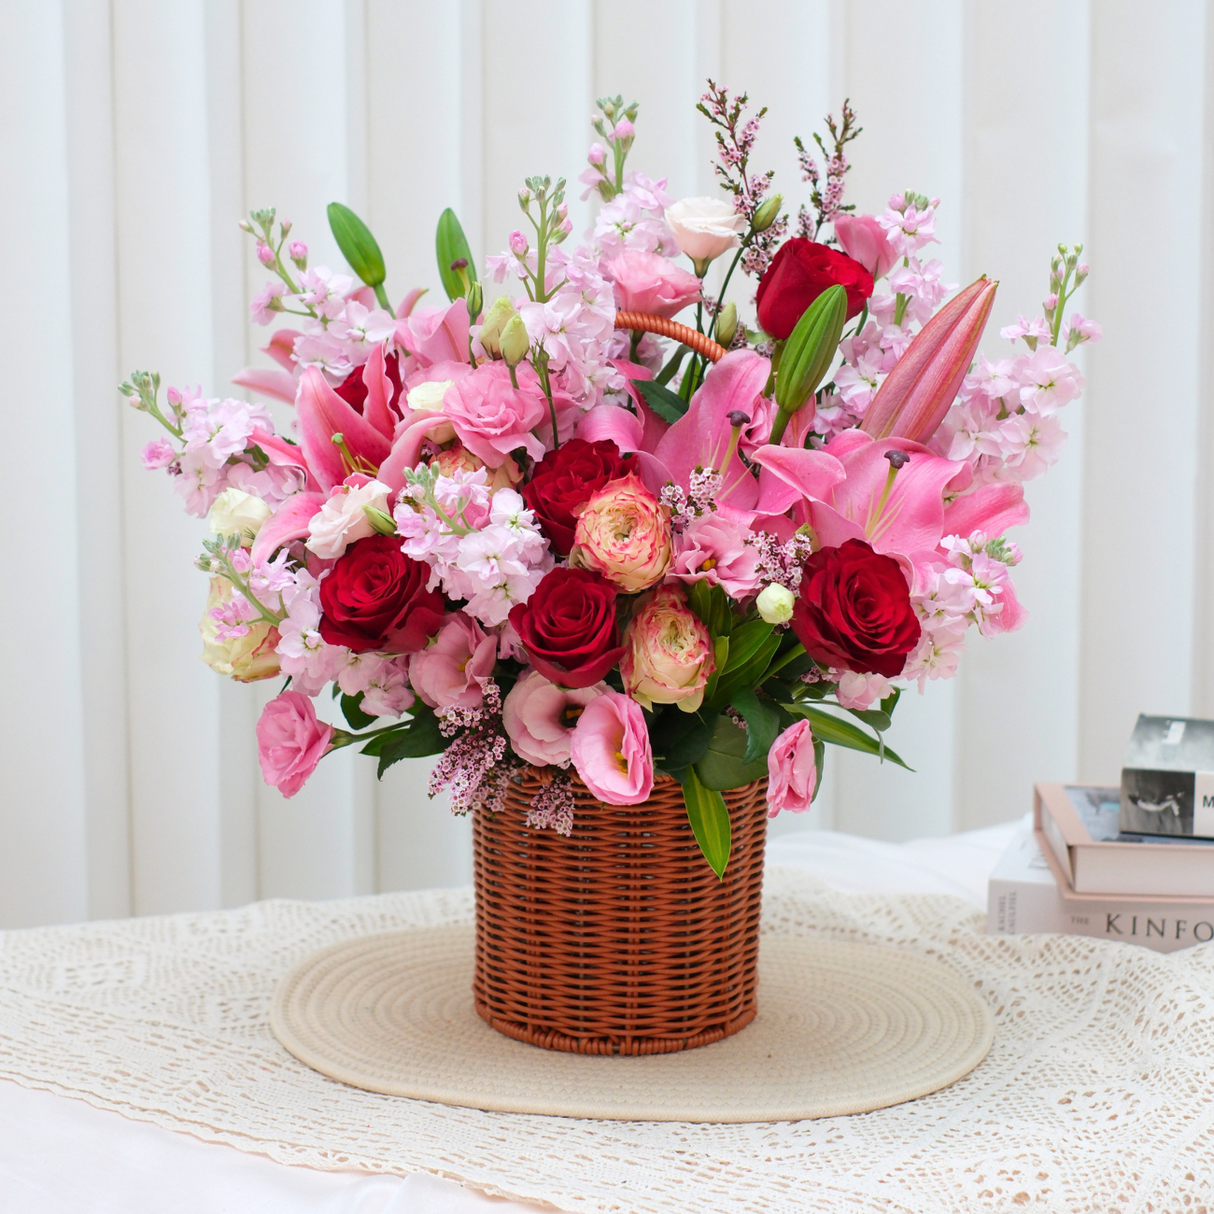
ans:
(826, 197)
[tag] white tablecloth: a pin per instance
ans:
(63, 1156)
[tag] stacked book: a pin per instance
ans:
(1132, 863)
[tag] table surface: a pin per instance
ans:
(63, 1156)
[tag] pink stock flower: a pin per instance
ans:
(864, 239)
(159, 453)
(611, 752)
(792, 774)
(715, 550)
(265, 305)
(649, 282)
(540, 717)
(451, 671)
(492, 417)
(623, 533)
(290, 741)
(668, 653)
(860, 691)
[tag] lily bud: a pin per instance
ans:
(357, 245)
(727, 324)
(917, 393)
(765, 216)
(496, 319)
(810, 349)
(514, 342)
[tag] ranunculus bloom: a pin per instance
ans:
(290, 741)
(565, 480)
(611, 751)
(713, 549)
(539, 717)
(492, 417)
(704, 228)
(244, 658)
(375, 597)
(342, 520)
(792, 774)
(451, 671)
(667, 653)
(864, 240)
(798, 274)
(568, 627)
(853, 610)
(651, 283)
(624, 534)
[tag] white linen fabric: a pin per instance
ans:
(1094, 1095)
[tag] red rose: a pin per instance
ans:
(853, 610)
(568, 627)
(375, 597)
(565, 480)
(798, 274)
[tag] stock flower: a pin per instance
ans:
(649, 282)
(798, 274)
(624, 534)
(451, 671)
(704, 228)
(565, 480)
(342, 520)
(159, 453)
(568, 627)
(853, 610)
(864, 240)
(245, 654)
(290, 741)
(494, 418)
(668, 653)
(235, 512)
(539, 717)
(792, 774)
(611, 752)
(375, 597)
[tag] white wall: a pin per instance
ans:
(134, 135)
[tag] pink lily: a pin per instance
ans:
(281, 385)
(323, 414)
(289, 522)
(435, 335)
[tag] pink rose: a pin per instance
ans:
(539, 717)
(492, 417)
(290, 741)
(714, 549)
(864, 240)
(451, 671)
(792, 774)
(668, 655)
(624, 534)
(611, 752)
(649, 282)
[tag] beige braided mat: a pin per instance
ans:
(1097, 1094)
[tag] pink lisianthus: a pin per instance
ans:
(649, 282)
(623, 533)
(451, 671)
(290, 741)
(492, 417)
(792, 774)
(715, 550)
(861, 691)
(611, 752)
(540, 717)
(864, 240)
(668, 653)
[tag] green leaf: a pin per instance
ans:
(819, 764)
(872, 717)
(668, 405)
(891, 702)
(745, 641)
(451, 245)
(762, 723)
(351, 709)
(724, 764)
(420, 737)
(356, 243)
(678, 738)
(667, 373)
(709, 821)
(838, 732)
(749, 673)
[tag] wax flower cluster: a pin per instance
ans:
(555, 528)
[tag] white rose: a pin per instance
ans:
(245, 658)
(428, 397)
(705, 227)
(235, 512)
(342, 519)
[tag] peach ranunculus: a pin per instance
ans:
(649, 282)
(704, 228)
(668, 653)
(624, 534)
(244, 658)
(457, 458)
(540, 717)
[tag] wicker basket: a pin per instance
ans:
(619, 939)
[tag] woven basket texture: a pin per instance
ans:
(618, 939)
(665, 327)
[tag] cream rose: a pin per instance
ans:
(705, 227)
(624, 534)
(667, 653)
(235, 512)
(244, 658)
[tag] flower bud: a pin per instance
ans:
(265, 254)
(357, 245)
(514, 341)
(496, 319)
(298, 252)
(383, 524)
(765, 216)
(623, 130)
(518, 244)
(810, 349)
(727, 324)
(475, 300)
(775, 603)
(597, 155)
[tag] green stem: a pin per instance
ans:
(382, 296)
(779, 426)
(635, 341)
(733, 265)
(797, 651)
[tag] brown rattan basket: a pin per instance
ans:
(618, 939)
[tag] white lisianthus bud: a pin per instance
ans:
(428, 397)
(705, 227)
(235, 512)
(775, 604)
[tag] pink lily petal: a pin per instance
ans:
(281, 348)
(407, 449)
(612, 422)
(284, 454)
(281, 385)
(812, 473)
(991, 510)
(406, 305)
(289, 522)
(653, 427)
(435, 335)
(322, 414)
(377, 409)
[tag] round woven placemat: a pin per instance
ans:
(842, 1028)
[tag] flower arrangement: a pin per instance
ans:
(541, 532)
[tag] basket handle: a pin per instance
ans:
(663, 327)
